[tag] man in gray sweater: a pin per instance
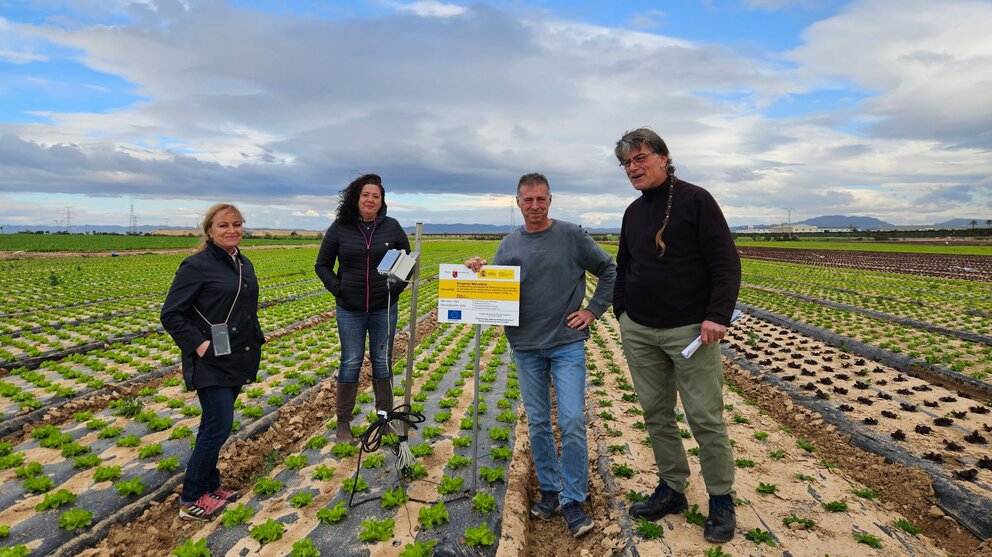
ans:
(549, 344)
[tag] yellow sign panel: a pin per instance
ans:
(489, 297)
(479, 290)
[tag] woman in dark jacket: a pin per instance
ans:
(365, 301)
(211, 311)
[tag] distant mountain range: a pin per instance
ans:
(869, 223)
(827, 221)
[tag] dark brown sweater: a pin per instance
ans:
(699, 276)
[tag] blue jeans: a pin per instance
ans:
(202, 475)
(566, 365)
(353, 327)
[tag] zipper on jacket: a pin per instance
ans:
(368, 263)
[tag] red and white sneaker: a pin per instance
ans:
(205, 508)
(225, 494)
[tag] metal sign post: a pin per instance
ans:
(490, 296)
(475, 412)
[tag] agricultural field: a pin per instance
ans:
(71, 243)
(971, 263)
(858, 402)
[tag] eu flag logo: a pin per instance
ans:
(454, 314)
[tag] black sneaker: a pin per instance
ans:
(548, 506)
(722, 521)
(578, 522)
(664, 500)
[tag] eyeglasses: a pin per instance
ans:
(639, 160)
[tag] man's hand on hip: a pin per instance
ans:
(580, 319)
(711, 332)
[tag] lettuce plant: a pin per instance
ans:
(75, 519)
(268, 532)
(480, 535)
(333, 515)
(433, 516)
(237, 515)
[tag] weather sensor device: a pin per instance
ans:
(397, 264)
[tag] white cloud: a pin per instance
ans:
(281, 112)
(928, 65)
(430, 8)
(21, 57)
(651, 19)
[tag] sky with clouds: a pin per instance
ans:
(866, 107)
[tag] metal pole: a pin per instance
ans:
(412, 336)
(475, 413)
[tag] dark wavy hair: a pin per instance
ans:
(348, 205)
(632, 141)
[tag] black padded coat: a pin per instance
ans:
(209, 280)
(355, 284)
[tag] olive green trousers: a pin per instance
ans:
(660, 372)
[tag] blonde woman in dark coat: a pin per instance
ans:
(211, 311)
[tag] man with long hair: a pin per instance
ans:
(678, 275)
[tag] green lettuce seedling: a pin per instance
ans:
(419, 549)
(134, 486)
(301, 499)
(480, 535)
(323, 472)
(693, 516)
(759, 536)
(189, 548)
(458, 461)
(75, 519)
(433, 516)
(268, 532)
(296, 462)
(354, 484)
(149, 451)
(450, 485)
(333, 515)
(649, 530)
(267, 486)
(237, 515)
(376, 530)
(56, 500)
(492, 475)
(38, 484)
(305, 548)
(394, 497)
(483, 503)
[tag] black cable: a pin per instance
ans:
(371, 439)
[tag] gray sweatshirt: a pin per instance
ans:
(553, 265)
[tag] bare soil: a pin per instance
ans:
(755, 406)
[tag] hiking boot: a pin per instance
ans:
(664, 500)
(548, 506)
(578, 522)
(205, 508)
(722, 521)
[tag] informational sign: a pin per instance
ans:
(489, 297)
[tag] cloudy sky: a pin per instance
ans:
(868, 107)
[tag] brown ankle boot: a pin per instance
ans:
(344, 406)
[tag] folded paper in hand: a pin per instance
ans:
(691, 349)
